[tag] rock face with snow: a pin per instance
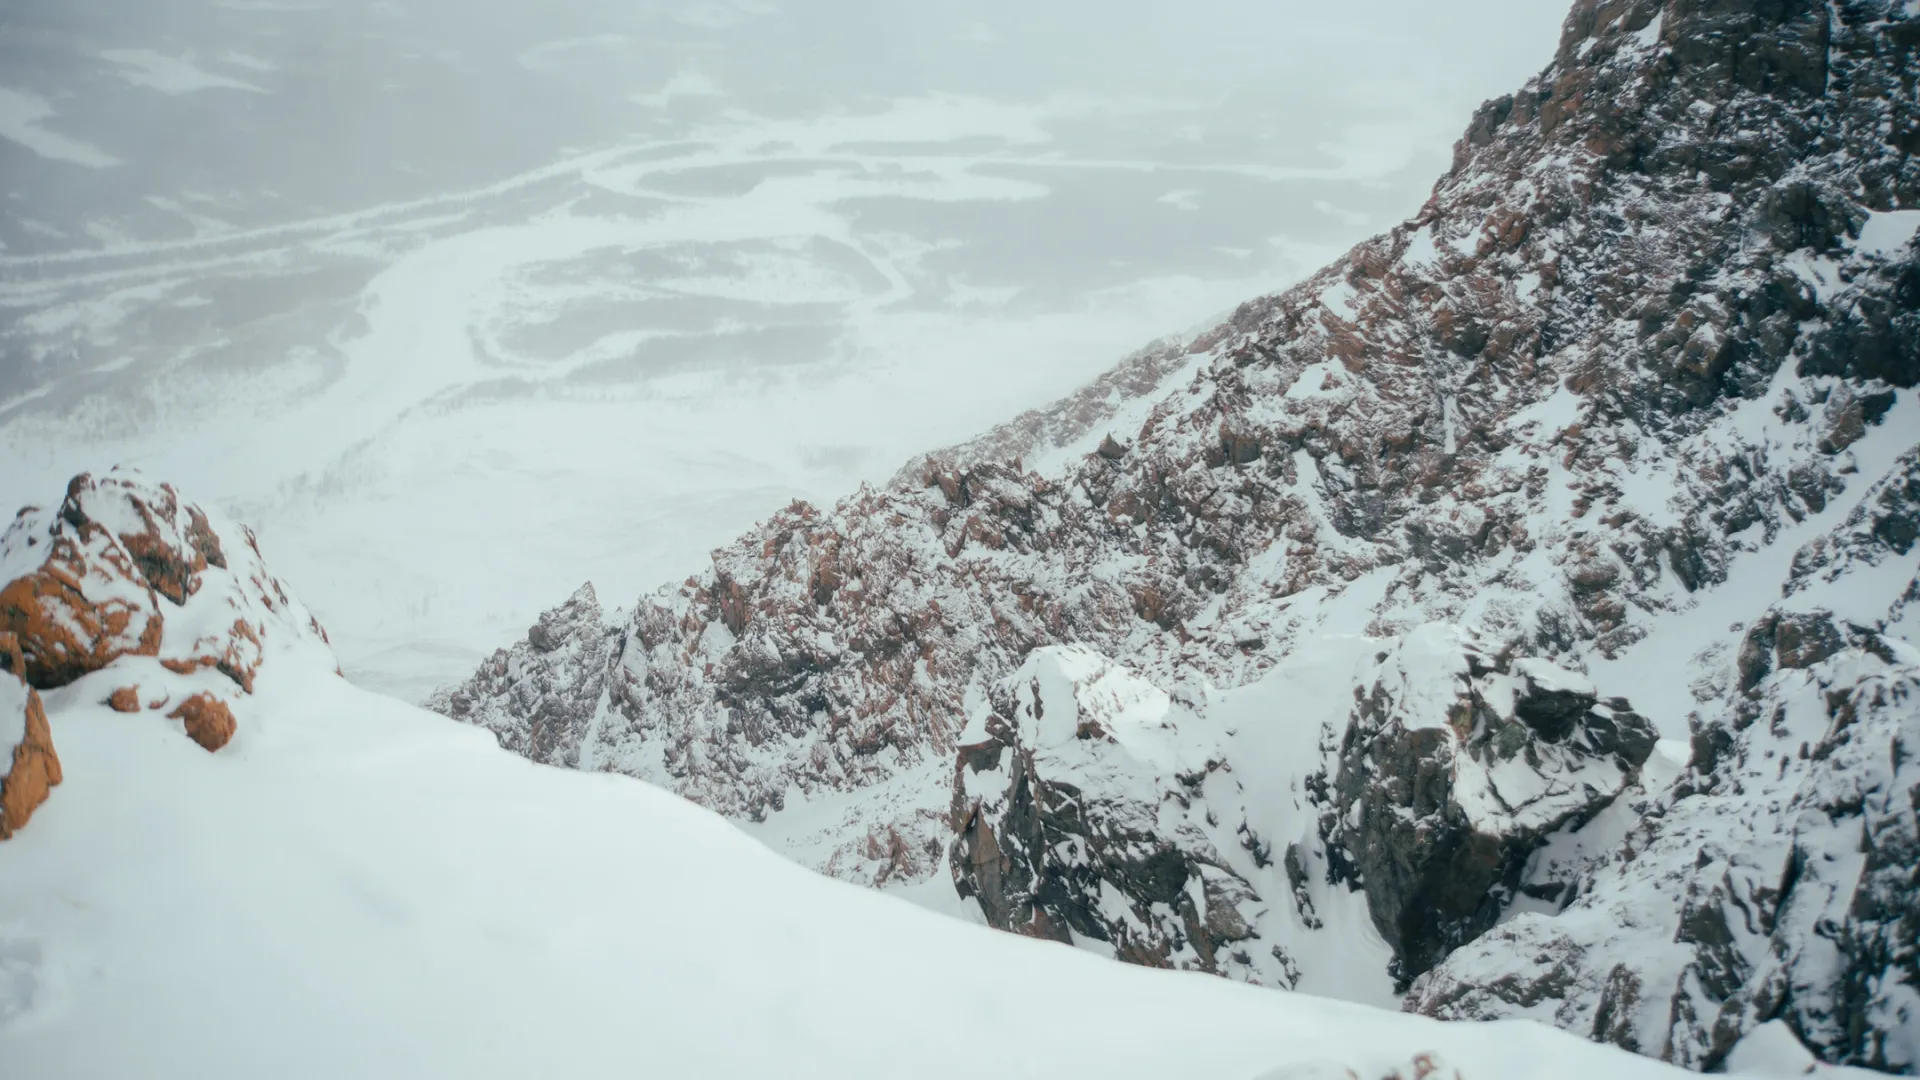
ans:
(1658, 323)
(1455, 767)
(1077, 810)
(539, 696)
(1776, 880)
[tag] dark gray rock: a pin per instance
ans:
(1456, 765)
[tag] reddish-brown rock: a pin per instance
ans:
(94, 580)
(209, 721)
(82, 609)
(125, 699)
(33, 768)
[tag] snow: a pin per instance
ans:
(1887, 231)
(1420, 248)
(21, 115)
(391, 894)
(13, 716)
(1316, 380)
(1820, 272)
(1649, 35)
(170, 74)
(1086, 717)
(1550, 677)
(1552, 413)
(1275, 729)
(1338, 298)
(1426, 673)
(1772, 1051)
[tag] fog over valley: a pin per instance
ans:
(420, 289)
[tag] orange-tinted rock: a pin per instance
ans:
(186, 665)
(209, 721)
(82, 609)
(33, 768)
(93, 580)
(125, 699)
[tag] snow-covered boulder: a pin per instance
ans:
(72, 593)
(1455, 766)
(123, 567)
(146, 602)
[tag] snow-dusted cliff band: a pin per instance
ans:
(1333, 649)
(352, 886)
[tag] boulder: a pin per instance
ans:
(124, 567)
(81, 607)
(208, 720)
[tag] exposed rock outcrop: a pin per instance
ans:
(31, 766)
(543, 690)
(1456, 766)
(1776, 880)
(124, 568)
(83, 607)
(1077, 811)
(126, 576)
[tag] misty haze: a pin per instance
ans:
(459, 304)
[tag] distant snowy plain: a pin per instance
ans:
(460, 307)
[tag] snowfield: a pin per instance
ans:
(356, 887)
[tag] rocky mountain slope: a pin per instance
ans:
(320, 866)
(1312, 639)
(376, 885)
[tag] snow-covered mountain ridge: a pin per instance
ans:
(1620, 425)
(297, 877)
